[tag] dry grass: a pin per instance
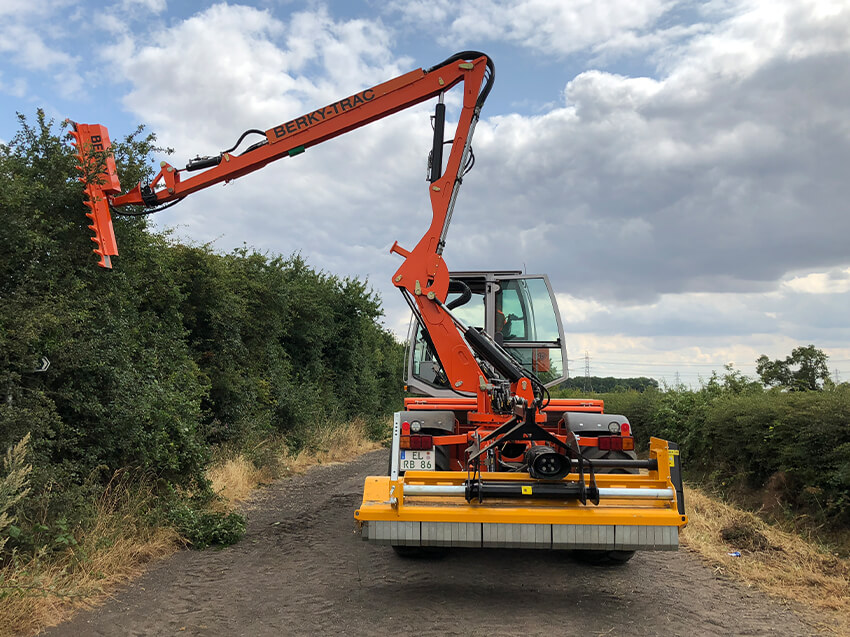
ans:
(235, 476)
(780, 563)
(333, 444)
(47, 589)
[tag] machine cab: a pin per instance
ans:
(517, 310)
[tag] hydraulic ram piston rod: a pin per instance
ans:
(605, 492)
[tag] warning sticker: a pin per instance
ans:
(526, 490)
(673, 453)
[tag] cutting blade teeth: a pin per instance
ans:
(88, 140)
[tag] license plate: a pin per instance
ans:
(411, 460)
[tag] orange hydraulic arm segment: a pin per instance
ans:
(100, 178)
(423, 278)
(295, 136)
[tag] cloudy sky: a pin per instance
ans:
(681, 170)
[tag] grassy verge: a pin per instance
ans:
(236, 473)
(48, 588)
(781, 563)
(45, 589)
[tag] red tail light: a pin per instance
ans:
(625, 429)
(421, 442)
(616, 443)
(405, 428)
(416, 442)
(609, 443)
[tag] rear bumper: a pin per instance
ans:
(533, 536)
(510, 510)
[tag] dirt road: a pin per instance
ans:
(301, 570)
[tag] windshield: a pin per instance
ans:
(524, 311)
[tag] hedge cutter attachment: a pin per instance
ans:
(100, 179)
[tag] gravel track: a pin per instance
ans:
(302, 570)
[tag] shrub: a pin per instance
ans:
(176, 349)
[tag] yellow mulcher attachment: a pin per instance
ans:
(601, 512)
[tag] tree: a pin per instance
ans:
(804, 370)
(610, 384)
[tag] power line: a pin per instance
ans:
(647, 364)
(686, 364)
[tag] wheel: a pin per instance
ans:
(421, 552)
(604, 558)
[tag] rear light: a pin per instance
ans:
(616, 443)
(416, 442)
(405, 428)
(609, 443)
(625, 429)
(421, 442)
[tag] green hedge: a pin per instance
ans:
(733, 432)
(174, 350)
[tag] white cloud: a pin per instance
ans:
(551, 26)
(717, 177)
(268, 71)
(17, 88)
(153, 6)
(20, 8)
(704, 205)
(833, 282)
(25, 46)
(34, 43)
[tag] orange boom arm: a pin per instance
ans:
(423, 277)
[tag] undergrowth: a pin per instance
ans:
(76, 564)
(137, 518)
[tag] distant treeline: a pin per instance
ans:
(176, 349)
(609, 384)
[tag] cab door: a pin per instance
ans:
(526, 322)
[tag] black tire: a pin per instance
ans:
(604, 558)
(421, 552)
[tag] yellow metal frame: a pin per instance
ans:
(384, 499)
